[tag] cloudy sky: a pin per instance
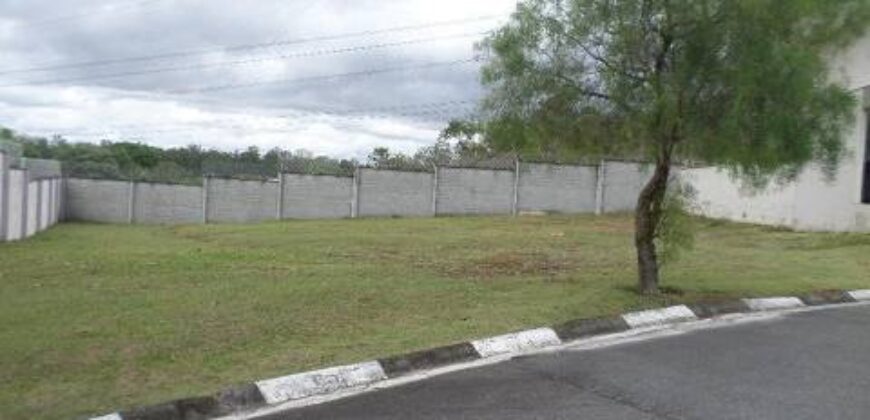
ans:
(335, 77)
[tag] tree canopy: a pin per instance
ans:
(741, 84)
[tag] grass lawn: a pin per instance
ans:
(98, 317)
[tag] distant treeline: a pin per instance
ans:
(133, 160)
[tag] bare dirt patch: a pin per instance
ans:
(508, 264)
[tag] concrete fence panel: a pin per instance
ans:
(475, 191)
(16, 216)
(557, 188)
(234, 201)
(98, 201)
(4, 195)
(33, 199)
(317, 197)
(623, 182)
(58, 203)
(394, 193)
(45, 204)
(167, 204)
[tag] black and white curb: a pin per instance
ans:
(319, 383)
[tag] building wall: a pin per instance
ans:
(394, 193)
(719, 196)
(167, 204)
(93, 200)
(233, 201)
(474, 191)
(316, 197)
(557, 188)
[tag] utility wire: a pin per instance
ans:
(434, 109)
(364, 73)
(304, 54)
(112, 8)
(246, 47)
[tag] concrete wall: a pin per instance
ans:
(474, 191)
(16, 205)
(4, 195)
(371, 193)
(233, 201)
(557, 188)
(45, 204)
(394, 193)
(622, 184)
(316, 197)
(167, 204)
(32, 213)
(98, 201)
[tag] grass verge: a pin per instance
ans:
(100, 317)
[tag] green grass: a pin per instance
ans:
(97, 318)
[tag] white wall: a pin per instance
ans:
(720, 197)
(16, 217)
(32, 213)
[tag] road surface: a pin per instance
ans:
(809, 365)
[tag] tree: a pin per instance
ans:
(741, 84)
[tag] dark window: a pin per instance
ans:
(865, 192)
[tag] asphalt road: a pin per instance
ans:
(812, 365)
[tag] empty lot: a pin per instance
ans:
(100, 317)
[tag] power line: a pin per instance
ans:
(363, 73)
(245, 47)
(451, 109)
(124, 6)
(304, 54)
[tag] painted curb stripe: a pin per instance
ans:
(710, 310)
(581, 328)
(325, 381)
(517, 342)
(771, 304)
(827, 297)
(113, 416)
(659, 316)
(427, 359)
(860, 294)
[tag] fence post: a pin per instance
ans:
(280, 206)
(131, 203)
(516, 199)
(205, 183)
(599, 187)
(4, 197)
(435, 192)
(354, 200)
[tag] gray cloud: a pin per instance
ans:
(36, 33)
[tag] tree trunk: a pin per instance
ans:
(648, 214)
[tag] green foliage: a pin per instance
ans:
(675, 232)
(186, 165)
(742, 84)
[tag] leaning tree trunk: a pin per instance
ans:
(648, 214)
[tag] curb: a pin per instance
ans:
(319, 383)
